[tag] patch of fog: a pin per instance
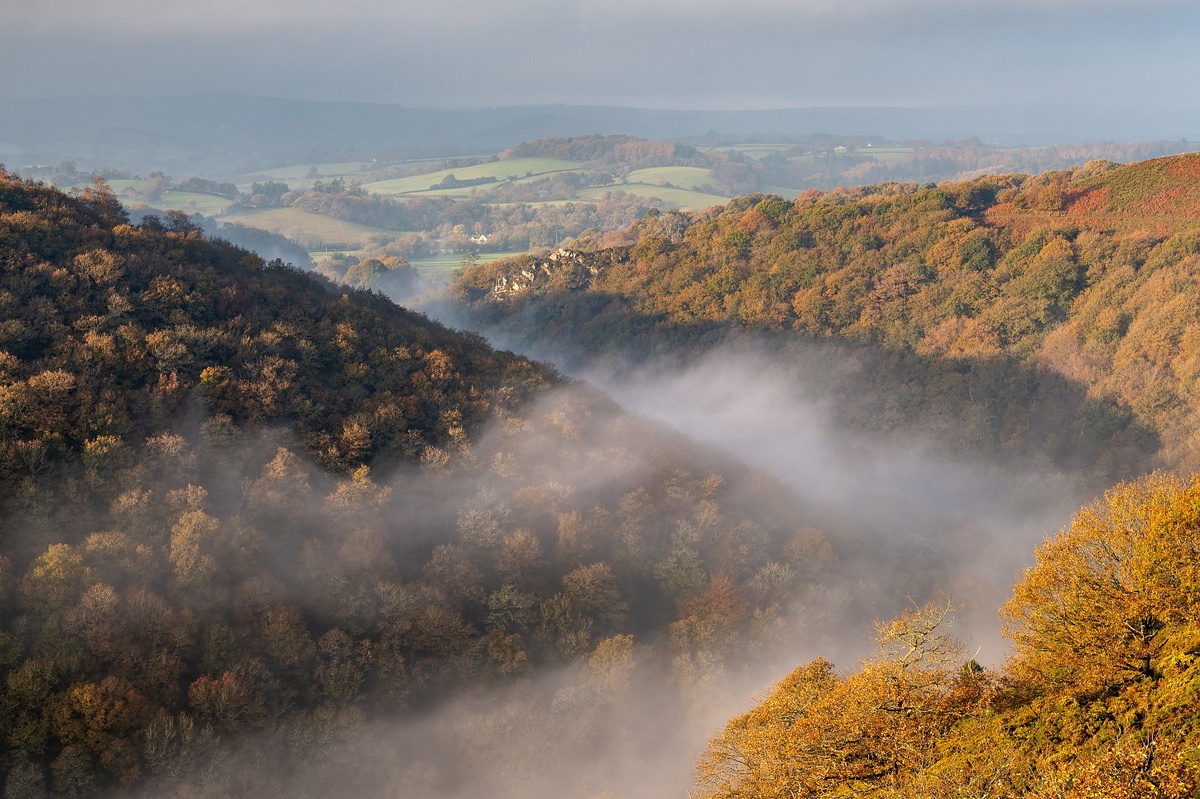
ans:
(915, 523)
(981, 520)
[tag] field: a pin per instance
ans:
(501, 170)
(194, 202)
(684, 177)
(753, 150)
(119, 186)
(672, 198)
(311, 231)
(886, 154)
(129, 191)
(449, 263)
(782, 191)
(305, 171)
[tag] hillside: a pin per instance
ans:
(252, 517)
(1053, 312)
(1097, 700)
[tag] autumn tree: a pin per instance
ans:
(1105, 595)
(818, 733)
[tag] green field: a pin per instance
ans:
(500, 170)
(189, 201)
(449, 263)
(685, 177)
(207, 204)
(672, 198)
(886, 154)
(782, 191)
(302, 171)
(312, 231)
(752, 150)
(119, 186)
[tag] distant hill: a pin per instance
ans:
(224, 134)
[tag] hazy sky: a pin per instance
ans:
(662, 53)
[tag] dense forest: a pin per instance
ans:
(1054, 313)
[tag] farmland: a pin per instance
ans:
(312, 231)
(431, 212)
(670, 197)
(497, 170)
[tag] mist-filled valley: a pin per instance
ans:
(527, 586)
(265, 533)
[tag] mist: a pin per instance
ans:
(630, 713)
(980, 520)
(909, 521)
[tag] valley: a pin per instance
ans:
(260, 511)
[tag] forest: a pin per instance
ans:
(253, 516)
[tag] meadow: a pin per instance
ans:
(671, 198)
(311, 231)
(500, 170)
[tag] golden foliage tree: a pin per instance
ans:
(871, 731)
(1098, 606)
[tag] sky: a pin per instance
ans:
(681, 54)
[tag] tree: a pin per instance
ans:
(1100, 603)
(820, 734)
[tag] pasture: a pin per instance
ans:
(449, 263)
(311, 231)
(671, 198)
(314, 171)
(130, 192)
(755, 150)
(683, 177)
(501, 170)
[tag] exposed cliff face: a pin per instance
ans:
(565, 269)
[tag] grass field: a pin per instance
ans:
(311, 231)
(189, 201)
(782, 191)
(119, 186)
(301, 171)
(672, 198)
(449, 263)
(685, 177)
(207, 204)
(500, 170)
(886, 154)
(751, 150)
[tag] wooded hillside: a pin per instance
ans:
(248, 515)
(1099, 698)
(1055, 312)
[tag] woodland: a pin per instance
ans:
(269, 534)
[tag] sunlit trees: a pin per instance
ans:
(819, 732)
(1108, 592)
